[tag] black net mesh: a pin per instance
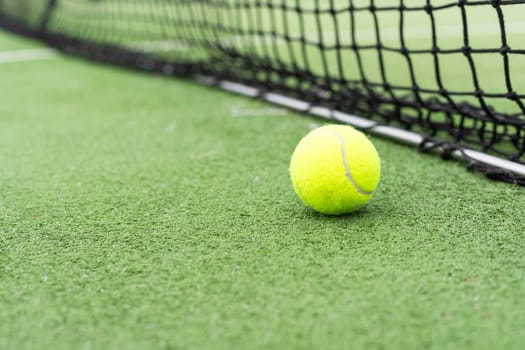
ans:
(451, 70)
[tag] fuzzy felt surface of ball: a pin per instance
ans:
(335, 169)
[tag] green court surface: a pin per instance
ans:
(145, 212)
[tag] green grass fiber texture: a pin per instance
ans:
(139, 212)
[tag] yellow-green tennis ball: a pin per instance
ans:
(335, 169)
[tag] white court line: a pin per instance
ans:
(240, 41)
(476, 30)
(174, 45)
(27, 55)
(420, 32)
(164, 45)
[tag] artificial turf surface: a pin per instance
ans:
(140, 212)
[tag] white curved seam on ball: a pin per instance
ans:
(347, 167)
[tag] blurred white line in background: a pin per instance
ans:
(27, 55)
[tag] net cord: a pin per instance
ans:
(390, 132)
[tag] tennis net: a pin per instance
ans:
(450, 71)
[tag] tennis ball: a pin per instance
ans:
(335, 169)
